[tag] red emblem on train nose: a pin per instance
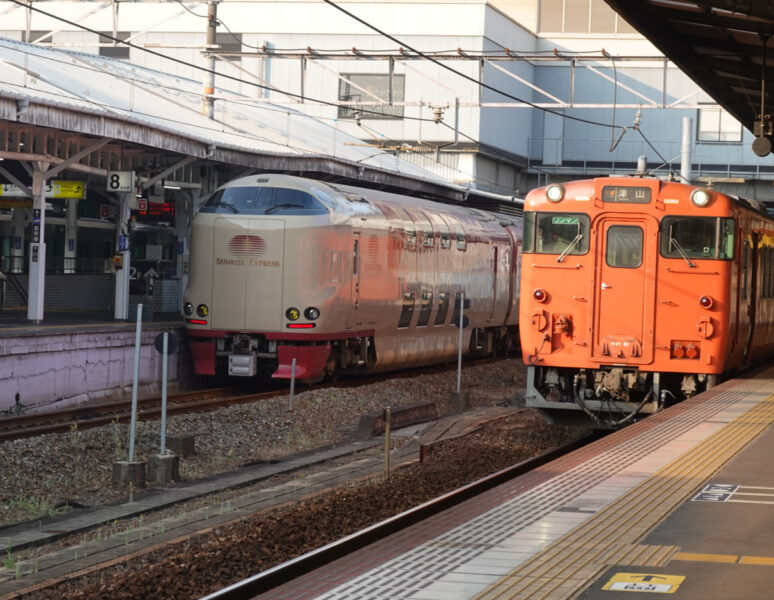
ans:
(247, 245)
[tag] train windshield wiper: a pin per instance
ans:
(569, 248)
(673, 242)
(218, 204)
(273, 208)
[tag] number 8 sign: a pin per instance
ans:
(120, 181)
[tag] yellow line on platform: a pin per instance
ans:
(699, 557)
(757, 560)
(724, 558)
(574, 561)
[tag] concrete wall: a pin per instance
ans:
(56, 369)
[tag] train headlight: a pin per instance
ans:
(202, 310)
(706, 301)
(701, 197)
(555, 192)
(540, 295)
(312, 313)
(293, 313)
(188, 309)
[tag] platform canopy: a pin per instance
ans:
(94, 114)
(721, 44)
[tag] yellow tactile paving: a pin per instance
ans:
(562, 569)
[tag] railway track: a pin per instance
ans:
(95, 415)
(202, 537)
(292, 569)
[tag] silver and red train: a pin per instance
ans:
(292, 273)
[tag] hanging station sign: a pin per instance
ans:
(12, 196)
(120, 181)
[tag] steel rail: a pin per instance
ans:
(292, 569)
(95, 415)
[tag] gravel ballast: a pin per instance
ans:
(49, 474)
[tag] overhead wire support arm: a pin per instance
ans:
(480, 82)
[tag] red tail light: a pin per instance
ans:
(197, 321)
(685, 349)
(300, 325)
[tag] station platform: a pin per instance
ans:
(681, 503)
(13, 321)
(72, 358)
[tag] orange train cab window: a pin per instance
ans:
(624, 246)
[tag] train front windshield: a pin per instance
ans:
(556, 233)
(263, 201)
(697, 237)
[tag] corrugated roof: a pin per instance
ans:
(97, 85)
(720, 44)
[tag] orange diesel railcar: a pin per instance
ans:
(638, 292)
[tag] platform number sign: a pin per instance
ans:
(120, 181)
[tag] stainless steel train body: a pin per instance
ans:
(292, 273)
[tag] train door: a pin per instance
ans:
(515, 275)
(753, 294)
(742, 293)
(495, 265)
(355, 288)
(625, 289)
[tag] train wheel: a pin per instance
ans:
(508, 343)
(332, 371)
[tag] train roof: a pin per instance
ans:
(358, 198)
(746, 203)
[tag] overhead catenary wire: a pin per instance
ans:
(222, 129)
(230, 77)
(205, 69)
(425, 55)
(237, 79)
(613, 142)
(317, 100)
(463, 75)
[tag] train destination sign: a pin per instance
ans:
(624, 194)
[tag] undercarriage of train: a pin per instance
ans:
(253, 355)
(608, 397)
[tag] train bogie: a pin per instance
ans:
(356, 280)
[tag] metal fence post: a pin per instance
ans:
(135, 380)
